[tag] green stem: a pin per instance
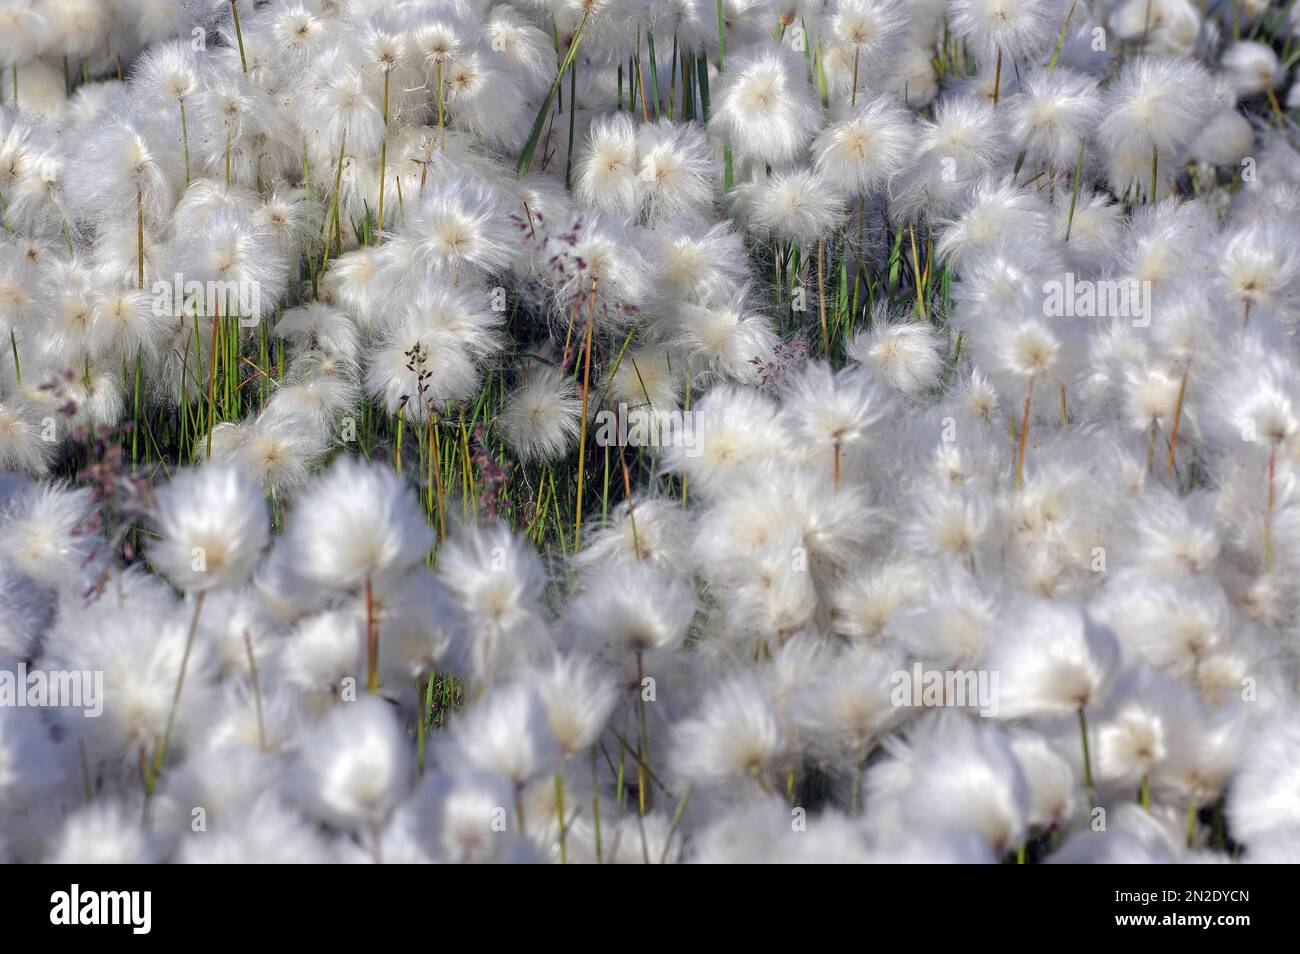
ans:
(573, 114)
(185, 142)
(654, 70)
(139, 232)
(1155, 162)
(1087, 759)
(239, 35)
(383, 155)
(526, 157)
(1074, 194)
(161, 753)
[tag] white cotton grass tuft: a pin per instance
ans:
(104, 832)
(629, 609)
(834, 413)
(762, 106)
(1152, 109)
(355, 765)
(46, 535)
(735, 735)
(799, 206)
(1052, 660)
(1251, 68)
(608, 173)
(579, 698)
(213, 528)
(542, 417)
(728, 341)
(509, 735)
(907, 354)
(1016, 29)
(356, 523)
(860, 153)
(1055, 114)
(498, 585)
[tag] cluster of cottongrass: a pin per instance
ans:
(827, 236)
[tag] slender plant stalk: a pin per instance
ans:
(640, 79)
(727, 172)
(853, 93)
(1060, 39)
(1087, 758)
(702, 73)
(654, 69)
(383, 156)
(372, 639)
(139, 233)
(1277, 107)
(239, 35)
(442, 115)
(519, 810)
(677, 820)
(1024, 432)
(135, 419)
(1155, 164)
(573, 115)
(425, 694)
(397, 439)
(18, 368)
(185, 142)
(526, 157)
(1268, 511)
(997, 78)
(437, 482)
(257, 690)
(161, 753)
(582, 440)
(1178, 415)
(1074, 193)
(212, 378)
(821, 295)
(333, 216)
(643, 754)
